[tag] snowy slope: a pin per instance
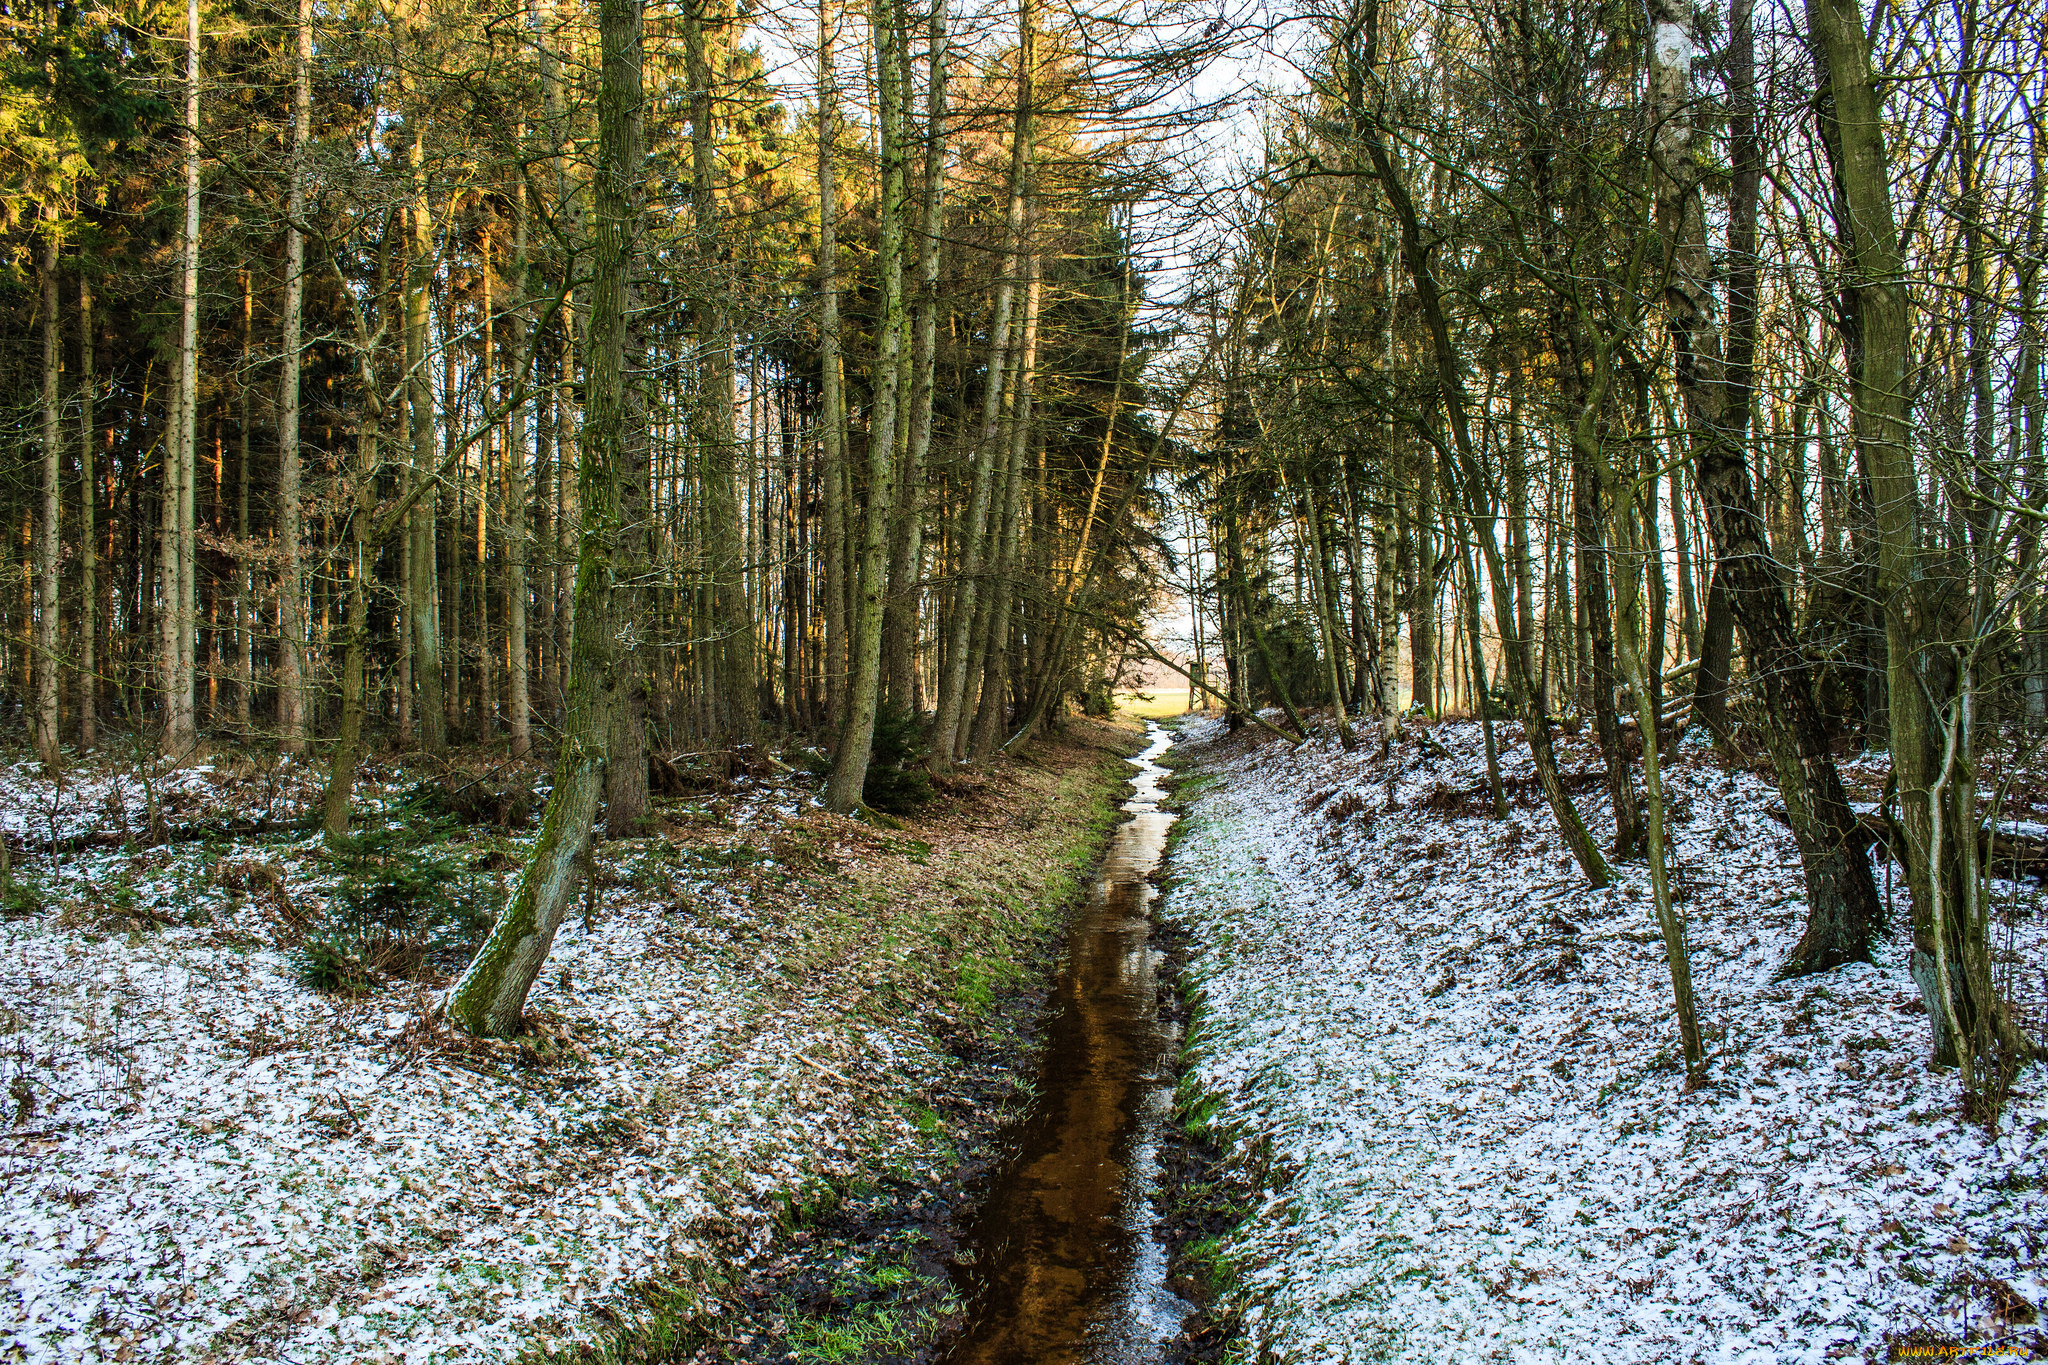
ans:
(201, 1159)
(1461, 1066)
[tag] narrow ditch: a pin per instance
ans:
(1063, 1260)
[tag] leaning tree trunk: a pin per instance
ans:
(1843, 912)
(1472, 485)
(490, 999)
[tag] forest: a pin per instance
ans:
(457, 460)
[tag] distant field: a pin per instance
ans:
(1153, 702)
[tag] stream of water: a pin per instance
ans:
(1067, 1270)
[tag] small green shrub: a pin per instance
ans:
(897, 782)
(404, 900)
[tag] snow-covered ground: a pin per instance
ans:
(1461, 1066)
(204, 1159)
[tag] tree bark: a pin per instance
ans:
(900, 616)
(291, 586)
(47, 537)
(856, 737)
(1930, 701)
(733, 703)
(974, 532)
(1843, 911)
(88, 530)
(490, 999)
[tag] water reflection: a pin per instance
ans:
(1066, 1266)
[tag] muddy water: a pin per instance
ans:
(1066, 1268)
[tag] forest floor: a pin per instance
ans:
(763, 1060)
(1453, 1070)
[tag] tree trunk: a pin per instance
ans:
(625, 774)
(88, 531)
(1843, 911)
(734, 706)
(47, 542)
(178, 558)
(1473, 484)
(291, 585)
(1930, 705)
(1590, 540)
(856, 737)
(993, 714)
(490, 999)
(900, 617)
(518, 685)
(974, 533)
(424, 607)
(832, 433)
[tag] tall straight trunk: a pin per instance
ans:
(856, 737)
(734, 706)
(625, 774)
(973, 533)
(245, 578)
(993, 714)
(423, 610)
(1688, 600)
(1421, 607)
(449, 599)
(88, 531)
(291, 585)
(490, 999)
(47, 542)
(899, 620)
(178, 558)
(1322, 579)
(832, 421)
(1843, 911)
(518, 685)
(1387, 619)
(1482, 697)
